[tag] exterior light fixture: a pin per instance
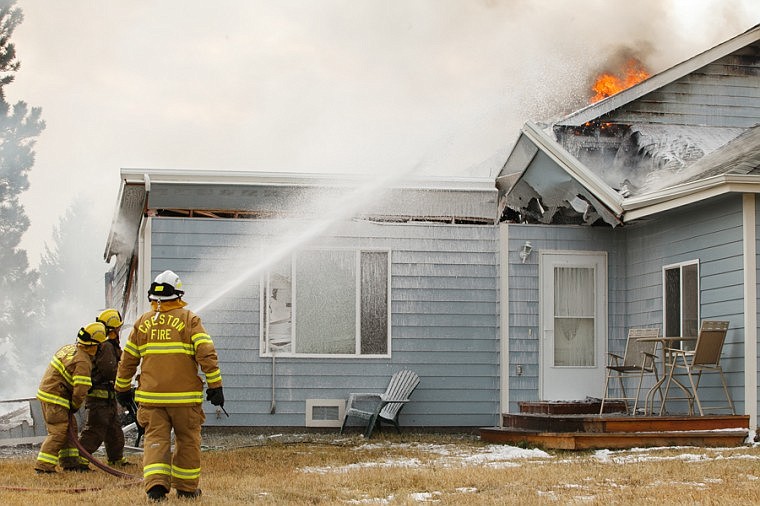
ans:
(525, 251)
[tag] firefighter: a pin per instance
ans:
(62, 391)
(169, 343)
(103, 422)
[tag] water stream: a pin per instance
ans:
(328, 214)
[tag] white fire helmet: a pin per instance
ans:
(166, 286)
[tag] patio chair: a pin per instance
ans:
(638, 361)
(376, 408)
(705, 357)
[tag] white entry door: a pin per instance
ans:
(573, 319)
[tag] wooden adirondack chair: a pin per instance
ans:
(382, 408)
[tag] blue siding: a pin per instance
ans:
(444, 303)
(524, 295)
(709, 232)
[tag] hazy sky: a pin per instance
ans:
(357, 86)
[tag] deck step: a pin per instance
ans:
(589, 406)
(614, 440)
(622, 423)
(577, 425)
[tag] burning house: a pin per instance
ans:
(639, 210)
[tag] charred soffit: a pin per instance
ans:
(448, 206)
(562, 204)
(546, 194)
(260, 215)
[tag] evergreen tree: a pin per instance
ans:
(20, 126)
(71, 279)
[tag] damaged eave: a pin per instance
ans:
(681, 195)
(264, 195)
(601, 191)
(130, 205)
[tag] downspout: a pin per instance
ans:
(504, 359)
(750, 309)
(273, 407)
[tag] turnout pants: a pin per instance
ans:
(182, 468)
(57, 449)
(103, 425)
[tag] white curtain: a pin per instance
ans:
(574, 302)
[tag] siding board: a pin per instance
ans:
(444, 322)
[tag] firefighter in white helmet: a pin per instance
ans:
(62, 391)
(103, 422)
(169, 343)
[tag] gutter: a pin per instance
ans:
(218, 177)
(680, 195)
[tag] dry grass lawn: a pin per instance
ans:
(414, 469)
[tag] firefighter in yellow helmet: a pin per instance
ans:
(103, 423)
(62, 391)
(169, 343)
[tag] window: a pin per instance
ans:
(681, 299)
(327, 303)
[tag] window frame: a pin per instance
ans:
(680, 266)
(266, 351)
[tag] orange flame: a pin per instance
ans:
(608, 84)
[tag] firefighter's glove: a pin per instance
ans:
(215, 396)
(126, 398)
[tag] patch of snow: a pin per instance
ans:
(550, 495)
(648, 455)
(425, 496)
(494, 456)
(371, 500)
(505, 452)
(407, 463)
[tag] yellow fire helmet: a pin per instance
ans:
(111, 318)
(92, 334)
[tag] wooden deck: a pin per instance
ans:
(578, 426)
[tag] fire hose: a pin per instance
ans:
(77, 490)
(75, 439)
